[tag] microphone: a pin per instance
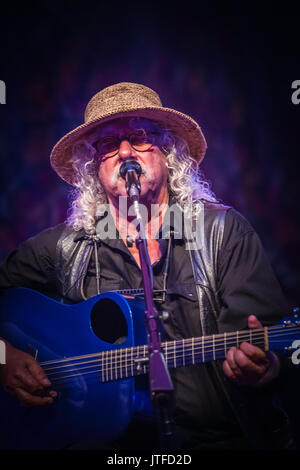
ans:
(130, 171)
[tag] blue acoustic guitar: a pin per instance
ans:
(92, 352)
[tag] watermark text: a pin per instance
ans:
(2, 352)
(162, 222)
(2, 92)
(296, 94)
(296, 353)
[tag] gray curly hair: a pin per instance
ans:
(186, 183)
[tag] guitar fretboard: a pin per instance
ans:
(123, 363)
(129, 362)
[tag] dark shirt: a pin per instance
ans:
(246, 285)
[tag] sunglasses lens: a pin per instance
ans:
(141, 141)
(107, 146)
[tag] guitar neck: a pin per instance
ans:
(122, 363)
(129, 362)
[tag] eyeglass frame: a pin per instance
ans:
(127, 138)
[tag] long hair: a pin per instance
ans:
(186, 183)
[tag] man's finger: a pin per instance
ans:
(230, 357)
(32, 400)
(253, 322)
(22, 378)
(38, 373)
(254, 353)
(228, 371)
(245, 364)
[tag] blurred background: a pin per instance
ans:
(231, 68)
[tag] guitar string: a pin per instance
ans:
(122, 352)
(119, 366)
(207, 339)
(112, 373)
(109, 368)
(136, 349)
(120, 370)
(171, 347)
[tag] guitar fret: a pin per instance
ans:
(107, 365)
(183, 349)
(111, 367)
(107, 353)
(126, 363)
(119, 364)
(145, 367)
(135, 363)
(174, 353)
(103, 362)
(124, 359)
(203, 352)
(103, 366)
(214, 351)
(237, 339)
(115, 361)
(225, 346)
(193, 351)
(132, 363)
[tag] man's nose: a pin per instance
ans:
(125, 150)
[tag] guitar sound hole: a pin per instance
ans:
(108, 322)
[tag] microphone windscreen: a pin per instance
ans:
(130, 165)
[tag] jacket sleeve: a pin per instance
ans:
(246, 281)
(32, 264)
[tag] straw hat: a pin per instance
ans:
(122, 100)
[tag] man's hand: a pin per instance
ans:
(23, 377)
(248, 364)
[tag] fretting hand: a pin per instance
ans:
(248, 364)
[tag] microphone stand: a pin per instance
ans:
(161, 387)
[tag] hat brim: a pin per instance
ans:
(180, 123)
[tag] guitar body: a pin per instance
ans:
(91, 353)
(50, 331)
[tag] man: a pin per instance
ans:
(222, 284)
